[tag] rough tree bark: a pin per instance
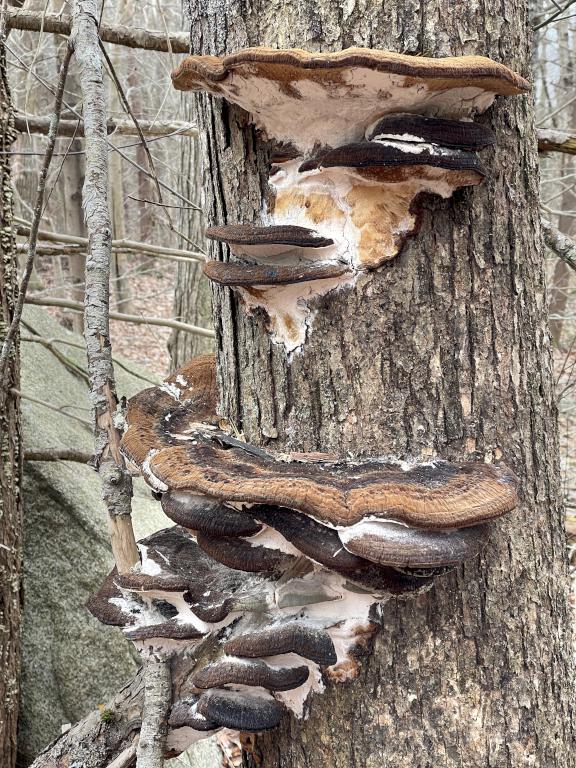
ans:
(10, 453)
(444, 351)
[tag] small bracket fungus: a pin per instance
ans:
(345, 179)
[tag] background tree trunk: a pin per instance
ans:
(444, 351)
(10, 455)
(192, 298)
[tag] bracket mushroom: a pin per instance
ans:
(389, 513)
(351, 175)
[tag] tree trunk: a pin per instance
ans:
(192, 299)
(74, 223)
(10, 455)
(444, 351)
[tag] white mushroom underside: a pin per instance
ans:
(337, 111)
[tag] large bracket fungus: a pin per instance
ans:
(279, 562)
(361, 134)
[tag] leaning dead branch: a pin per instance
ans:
(57, 454)
(76, 306)
(33, 21)
(560, 244)
(117, 484)
(556, 141)
(35, 224)
(75, 128)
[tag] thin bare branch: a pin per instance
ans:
(51, 342)
(120, 245)
(119, 35)
(560, 244)
(57, 454)
(76, 306)
(36, 124)
(45, 404)
(553, 16)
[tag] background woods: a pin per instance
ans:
(468, 374)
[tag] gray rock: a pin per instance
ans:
(70, 662)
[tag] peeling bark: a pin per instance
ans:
(444, 351)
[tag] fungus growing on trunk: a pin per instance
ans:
(349, 175)
(291, 94)
(388, 512)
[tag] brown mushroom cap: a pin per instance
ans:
(459, 134)
(240, 711)
(253, 673)
(182, 569)
(225, 273)
(291, 637)
(435, 495)
(171, 629)
(184, 714)
(209, 516)
(329, 98)
(156, 414)
(387, 157)
(324, 546)
(401, 547)
(105, 611)
(243, 556)
(280, 234)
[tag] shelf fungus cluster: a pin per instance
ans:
(360, 135)
(273, 575)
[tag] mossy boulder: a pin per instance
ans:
(70, 662)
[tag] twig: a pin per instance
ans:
(116, 482)
(157, 701)
(49, 344)
(562, 245)
(163, 205)
(114, 148)
(22, 396)
(76, 306)
(553, 16)
(120, 35)
(41, 125)
(126, 758)
(56, 454)
(70, 365)
(152, 167)
(35, 225)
